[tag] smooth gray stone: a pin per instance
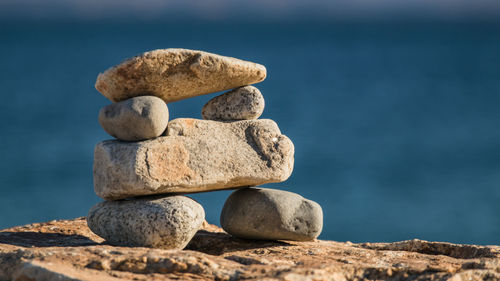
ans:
(135, 119)
(160, 222)
(244, 103)
(270, 214)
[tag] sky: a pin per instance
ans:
(245, 9)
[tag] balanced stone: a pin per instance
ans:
(195, 156)
(244, 103)
(260, 213)
(135, 119)
(175, 74)
(166, 222)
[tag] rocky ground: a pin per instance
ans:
(68, 250)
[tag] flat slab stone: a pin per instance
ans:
(195, 156)
(161, 222)
(271, 214)
(176, 74)
(70, 249)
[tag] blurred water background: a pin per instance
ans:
(395, 125)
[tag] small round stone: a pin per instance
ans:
(243, 103)
(270, 214)
(159, 222)
(135, 119)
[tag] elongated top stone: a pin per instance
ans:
(176, 74)
(195, 156)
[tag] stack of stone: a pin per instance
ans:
(152, 160)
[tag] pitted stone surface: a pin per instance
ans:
(271, 214)
(160, 222)
(135, 119)
(244, 103)
(175, 74)
(68, 249)
(195, 156)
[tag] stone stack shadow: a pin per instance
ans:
(143, 172)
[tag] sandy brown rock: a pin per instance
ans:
(195, 156)
(167, 222)
(70, 249)
(271, 214)
(175, 74)
(243, 103)
(47, 271)
(135, 119)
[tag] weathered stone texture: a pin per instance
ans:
(167, 222)
(244, 103)
(195, 156)
(175, 74)
(69, 249)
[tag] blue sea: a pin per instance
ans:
(396, 126)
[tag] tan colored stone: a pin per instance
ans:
(69, 249)
(195, 156)
(48, 271)
(176, 74)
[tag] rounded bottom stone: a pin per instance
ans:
(156, 221)
(261, 213)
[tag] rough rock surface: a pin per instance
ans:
(135, 119)
(168, 222)
(68, 250)
(244, 103)
(263, 213)
(175, 74)
(195, 156)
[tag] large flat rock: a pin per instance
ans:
(195, 156)
(176, 74)
(68, 250)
